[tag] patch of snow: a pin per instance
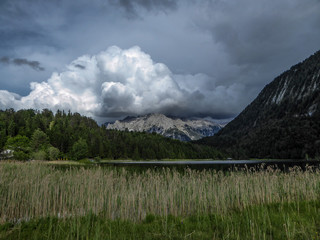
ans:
(278, 99)
(312, 110)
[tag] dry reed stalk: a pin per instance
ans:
(32, 190)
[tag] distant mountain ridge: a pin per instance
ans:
(172, 127)
(282, 122)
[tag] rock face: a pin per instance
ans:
(176, 128)
(282, 122)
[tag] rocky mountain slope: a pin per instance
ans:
(176, 128)
(282, 122)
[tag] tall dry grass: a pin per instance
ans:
(30, 190)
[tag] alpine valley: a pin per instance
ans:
(172, 127)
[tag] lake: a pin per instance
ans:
(219, 164)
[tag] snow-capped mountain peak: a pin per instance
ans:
(182, 129)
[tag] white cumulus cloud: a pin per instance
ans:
(120, 82)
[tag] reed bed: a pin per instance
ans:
(32, 190)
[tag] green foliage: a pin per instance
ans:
(18, 142)
(12, 129)
(40, 155)
(297, 221)
(53, 153)
(80, 149)
(62, 130)
(97, 159)
(39, 140)
(21, 147)
(21, 155)
(136, 155)
(3, 135)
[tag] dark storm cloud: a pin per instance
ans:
(80, 66)
(263, 32)
(22, 62)
(11, 38)
(5, 60)
(220, 54)
(132, 6)
(258, 40)
(256, 34)
(33, 64)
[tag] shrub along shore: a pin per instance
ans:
(100, 203)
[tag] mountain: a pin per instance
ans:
(176, 128)
(282, 122)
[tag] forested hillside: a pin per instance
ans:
(39, 135)
(282, 122)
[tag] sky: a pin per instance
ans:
(108, 59)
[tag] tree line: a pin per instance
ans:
(44, 135)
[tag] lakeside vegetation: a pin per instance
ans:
(39, 201)
(32, 134)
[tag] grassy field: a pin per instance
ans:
(39, 201)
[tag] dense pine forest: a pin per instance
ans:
(44, 135)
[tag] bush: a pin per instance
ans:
(40, 155)
(20, 155)
(39, 140)
(53, 153)
(80, 149)
(20, 146)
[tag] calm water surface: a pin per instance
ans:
(219, 164)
